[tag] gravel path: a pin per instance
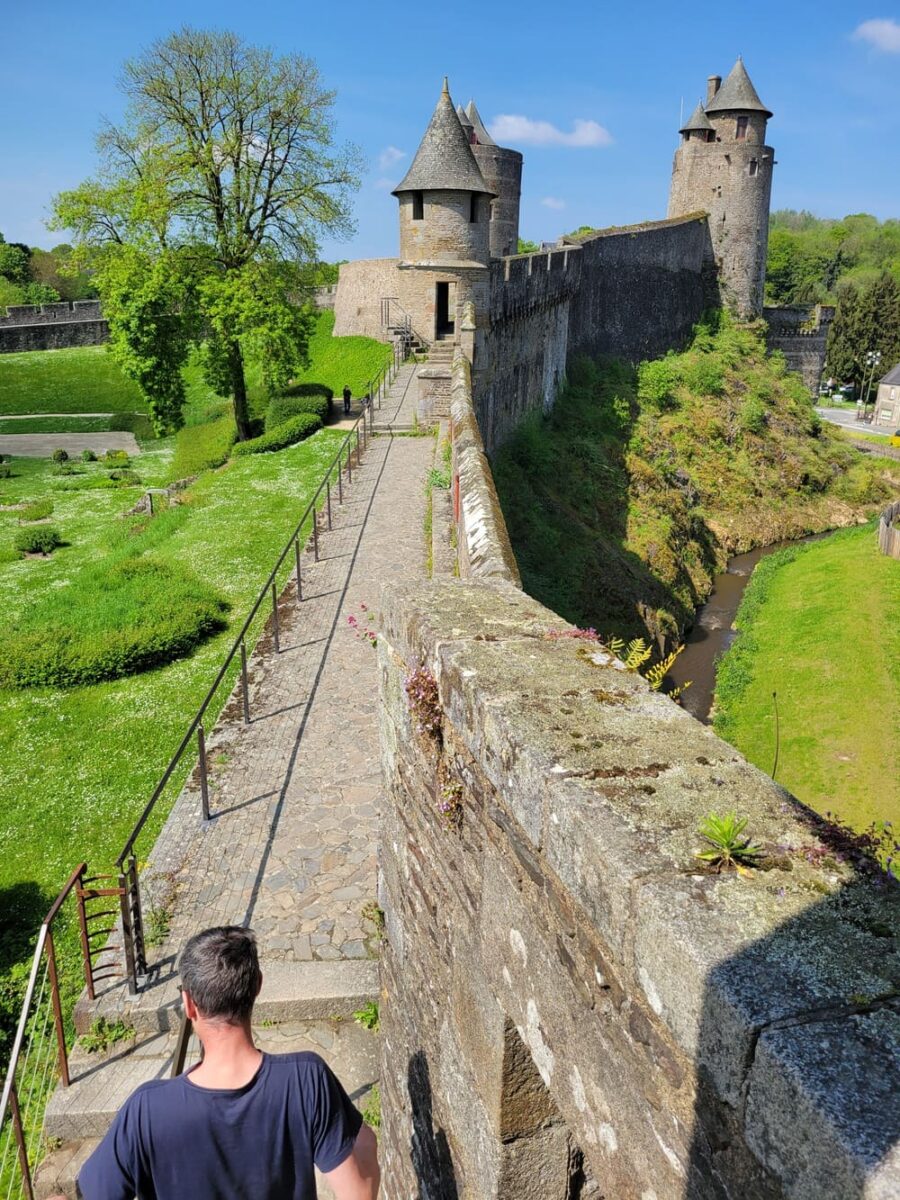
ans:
(42, 445)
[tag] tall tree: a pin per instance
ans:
(222, 177)
(867, 319)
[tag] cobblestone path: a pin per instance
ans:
(295, 795)
(398, 407)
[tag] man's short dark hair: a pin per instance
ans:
(220, 969)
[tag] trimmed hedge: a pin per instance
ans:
(297, 429)
(282, 408)
(114, 621)
(202, 447)
(37, 539)
(310, 389)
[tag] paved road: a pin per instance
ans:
(42, 445)
(846, 419)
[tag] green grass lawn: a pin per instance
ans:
(353, 361)
(819, 626)
(82, 762)
(81, 380)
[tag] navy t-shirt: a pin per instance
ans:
(172, 1140)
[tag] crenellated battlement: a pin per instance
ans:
(527, 283)
(42, 314)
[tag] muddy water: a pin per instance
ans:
(713, 634)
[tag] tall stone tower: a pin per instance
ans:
(444, 227)
(724, 167)
(502, 171)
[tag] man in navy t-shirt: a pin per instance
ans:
(242, 1125)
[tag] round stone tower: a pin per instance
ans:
(723, 167)
(502, 171)
(444, 228)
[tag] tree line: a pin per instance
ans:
(29, 275)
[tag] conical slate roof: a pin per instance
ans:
(444, 161)
(481, 134)
(697, 120)
(463, 117)
(737, 94)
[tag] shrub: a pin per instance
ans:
(203, 447)
(657, 381)
(59, 455)
(5, 472)
(282, 408)
(753, 415)
(40, 539)
(116, 458)
(137, 423)
(311, 389)
(113, 621)
(297, 429)
(36, 511)
(125, 476)
(704, 375)
(88, 456)
(64, 468)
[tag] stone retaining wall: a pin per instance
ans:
(800, 332)
(52, 326)
(360, 288)
(572, 1006)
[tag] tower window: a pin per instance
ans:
(754, 167)
(418, 206)
(473, 208)
(740, 132)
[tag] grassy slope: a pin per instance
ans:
(354, 361)
(819, 626)
(82, 380)
(625, 501)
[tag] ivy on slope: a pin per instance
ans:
(631, 494)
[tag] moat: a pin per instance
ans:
(714, 631)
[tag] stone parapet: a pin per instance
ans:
(569, 996)
(483, 546)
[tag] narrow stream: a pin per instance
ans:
(712, 633)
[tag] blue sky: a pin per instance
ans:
(830, 72)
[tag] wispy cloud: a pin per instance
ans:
(883, 34)
(553, 202)
(511, 127)
(389, 157)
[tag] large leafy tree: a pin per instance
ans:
(212, 195)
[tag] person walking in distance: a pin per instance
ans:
(242, 1124)
(347, 396)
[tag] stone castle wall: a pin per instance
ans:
(643, 288)
(52, 326)
(361, 287)
(571, 1006)
(520, 358)
(800, 332)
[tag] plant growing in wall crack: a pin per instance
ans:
(727, 845)
(424, 701)
(450, 806)
(632, 656)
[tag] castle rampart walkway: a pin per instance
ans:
(295, 795)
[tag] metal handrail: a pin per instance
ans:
(8, 1097)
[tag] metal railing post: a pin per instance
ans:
(328, 501)
(85, 940)
(204, 779)
(340, 483)
(245, 683)
(315, 517)
(276, 631)
(349, 464)
(127, 935)
(19, 1132)
(299, 576)
(57, 1010)
(357, 446)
